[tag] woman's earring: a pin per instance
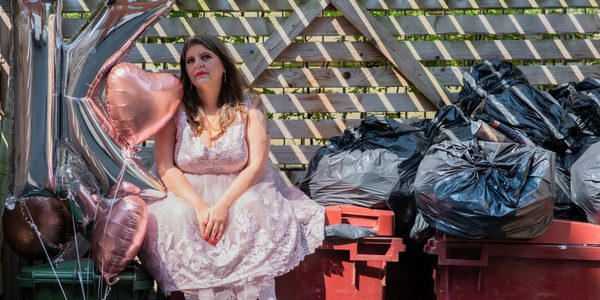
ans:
(224, 77)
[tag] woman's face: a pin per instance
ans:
(203, 67)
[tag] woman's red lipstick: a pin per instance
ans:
(199, 73)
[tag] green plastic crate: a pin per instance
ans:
(39, 283)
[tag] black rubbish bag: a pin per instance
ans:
(347, 231)
(370, 165)
(585, 183)
(516, 104)
(450, 124)
(564, 207)
(538, 115)
(480, 190)
(582, 101)
(488, 77)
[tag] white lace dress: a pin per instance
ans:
(271, 226)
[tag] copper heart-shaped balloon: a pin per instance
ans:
(140, 103)
(118, 234)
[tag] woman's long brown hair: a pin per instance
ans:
(231, 96)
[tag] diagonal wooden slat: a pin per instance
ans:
(396, 52)
(281, 38)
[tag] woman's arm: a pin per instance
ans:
(258, 147)
(171, 175)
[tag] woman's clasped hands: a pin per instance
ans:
(212, 222)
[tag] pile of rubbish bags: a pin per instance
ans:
(501, 162)
(372, 165)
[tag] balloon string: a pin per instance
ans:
(107, 291)
(128, 155)
(80, 277)
(70, 197)
(100, 280)
(39, 235)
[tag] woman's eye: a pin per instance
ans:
(205, 57)
(189, 60)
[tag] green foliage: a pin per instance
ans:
(234, 39)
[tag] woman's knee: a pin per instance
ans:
(251, 201)
(181, 209)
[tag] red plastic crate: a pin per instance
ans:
(563, 263)
(378, 220)
(342, 269)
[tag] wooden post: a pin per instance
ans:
(397, 52)
(10, 261)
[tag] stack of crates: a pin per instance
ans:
(563, 263)
(346, 269)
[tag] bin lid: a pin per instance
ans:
(68, 272)
(560, 232)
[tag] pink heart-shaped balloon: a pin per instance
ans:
(140, 103)
(118, 234)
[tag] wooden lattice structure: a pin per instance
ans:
(321, 65)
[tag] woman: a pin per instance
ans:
(229, 225)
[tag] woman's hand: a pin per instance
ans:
(201, 216)
(214, 223)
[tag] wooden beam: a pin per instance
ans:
(318, 52)
(281, 38)
(346, 102)
(284, 5)
(397, 25)
(5, 46)
(397, 53)
(331, 77)
(5, 4)
(288, 154)
(11, 263)
(315, 129)
(536, 75)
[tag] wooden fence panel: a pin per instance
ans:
(307, 57)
